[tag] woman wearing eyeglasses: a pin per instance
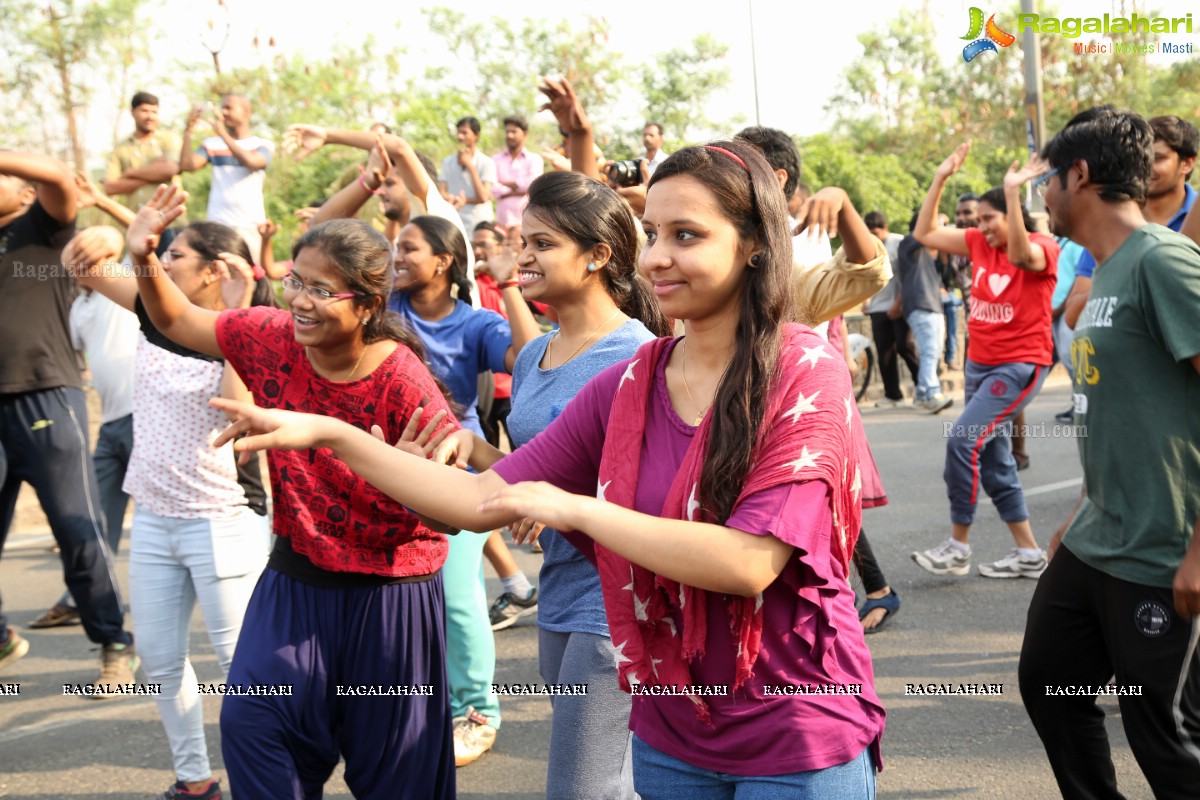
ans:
(1008, 355)
(351, 599)
(200, 531)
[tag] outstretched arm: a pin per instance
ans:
(928, 232)
(169, 308)
(703, 555)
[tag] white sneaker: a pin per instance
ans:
(887, 402)
(473, 737)
(945, 559)
(1014, 565)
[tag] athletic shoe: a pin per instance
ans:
(945, 559)
(58, 614)
(118, 663)
(180, 792)
(936, 404)
(509, 608)
(887, 402)
(13, 649)
(1014, 565)
(1066, 417)
(473, 736)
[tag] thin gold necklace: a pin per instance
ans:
(352, 371)
(584, 343)
(688, 389)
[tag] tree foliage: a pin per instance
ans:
(903, 99)
(679, 84)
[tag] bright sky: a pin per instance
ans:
(799, 51)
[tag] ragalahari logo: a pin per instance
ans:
(992, 35)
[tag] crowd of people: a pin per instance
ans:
(644, 368)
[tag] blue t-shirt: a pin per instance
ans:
(570, 600)
(1087, 262)
(1068, 257)
(458, 347)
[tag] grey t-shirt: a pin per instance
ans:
(570, 599)
(920, 282)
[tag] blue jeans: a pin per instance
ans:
(950, 307)
(929, 329)
(658, 776)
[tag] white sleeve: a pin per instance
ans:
(438, 206)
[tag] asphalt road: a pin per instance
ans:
(949, 630)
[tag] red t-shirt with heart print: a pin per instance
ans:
(1009, 316)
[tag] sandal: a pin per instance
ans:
(890, 603)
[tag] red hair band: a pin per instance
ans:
(732, 155)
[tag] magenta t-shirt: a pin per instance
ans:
(811, 634)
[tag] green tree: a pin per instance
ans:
(679, 84)
(60, 43)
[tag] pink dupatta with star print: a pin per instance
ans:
(806, 436)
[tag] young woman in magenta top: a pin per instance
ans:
(352, 592)
(580, 258)
(721, 516)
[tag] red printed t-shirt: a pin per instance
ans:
(1009, 317)
(811, 636)
(332, 516)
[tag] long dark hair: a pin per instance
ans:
(445, 238)
(749, 196)
(210, 239)
(590, 213)
(994, 197)
(363, 257)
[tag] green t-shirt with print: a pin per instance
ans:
(1137, 405)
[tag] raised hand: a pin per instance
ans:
(501, 264)
(563, 104)
(379, 164)
(955, 160)
(194, 116)
(88, 192)
(237, 279)
(556, 160)
(303, 140)
(218, 125)
(1015, 177)
(267, 229)
(152, 219)
(819, 213)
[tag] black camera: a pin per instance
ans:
(626, 173)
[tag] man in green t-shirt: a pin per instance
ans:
(1122, 593)
(147, 158)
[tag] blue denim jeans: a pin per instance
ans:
(929, 329)
(658, 776)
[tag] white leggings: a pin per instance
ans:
(172, 564)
